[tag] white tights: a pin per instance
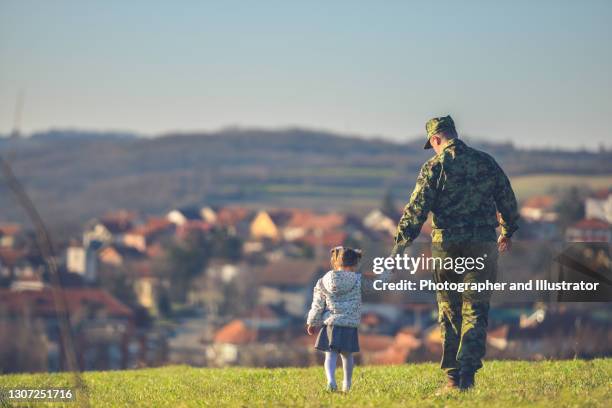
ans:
(331, 357)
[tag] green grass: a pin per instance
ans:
(524, 187)
(499, 384)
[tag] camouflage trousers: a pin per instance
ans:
(463, 316)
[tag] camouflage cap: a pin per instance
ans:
(437, 125)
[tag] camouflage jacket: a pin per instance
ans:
(464, 188)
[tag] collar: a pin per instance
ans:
(453, 142)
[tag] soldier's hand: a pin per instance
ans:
(504, 244)
(310, 329)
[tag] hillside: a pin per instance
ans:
(500, 384)
(75, 175)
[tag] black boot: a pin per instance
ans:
(452, 382)
(466, 381)
(453, 378)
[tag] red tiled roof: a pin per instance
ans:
(41, 304)
(125, 215)
(544, 202)
(152, 226)
(374, 342)
(288, 272)
(235, 332)
(9, 229)
(190, 226)
(407, 339)
(143, 269)
(230, 216)
(499, 333)
(591, 224)
(155, 250)
(601, 194)
(10, 256)
(328, 239)
(310, 220)
(393, 354)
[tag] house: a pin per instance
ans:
(589, 230)
(9, 233)
(236, 220)
(599, 206)
(269, 224)
(118, 255)
(142, 236)
(186, 229)
(180, 216)
(108, 229)
(28, 282)
(208, 214)
(540, 216)
(248, 336)
(9, 258)
(206, 289)
(207, 294)
(288, 284)
(377, 220)
(146, 285)
(304, 222)
(82, 261)
(224, 271)
(389, 350)
(540, 209)
(17, 264)
(103, 325)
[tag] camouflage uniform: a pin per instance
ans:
(463, 188)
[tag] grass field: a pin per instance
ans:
(524, 187)
(535, 184)
(499, 384)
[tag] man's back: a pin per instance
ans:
(463, 188)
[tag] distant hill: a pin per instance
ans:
(74, 175)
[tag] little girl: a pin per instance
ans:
(336, 307)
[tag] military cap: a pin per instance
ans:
(437, 125)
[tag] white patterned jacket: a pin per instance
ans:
(336, 298)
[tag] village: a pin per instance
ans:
(228, 285)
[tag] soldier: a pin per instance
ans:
(464, 189)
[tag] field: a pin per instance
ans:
(499, 384)
(527, 186)
(362, 199)
(74, 176)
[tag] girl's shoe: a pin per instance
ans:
(345, 388)
(332, 387)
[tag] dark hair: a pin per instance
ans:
(346, 256)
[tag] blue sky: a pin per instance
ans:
(536, 73)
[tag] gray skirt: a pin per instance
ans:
(338, 338)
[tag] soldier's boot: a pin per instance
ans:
(466, 381)
(452, 382)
